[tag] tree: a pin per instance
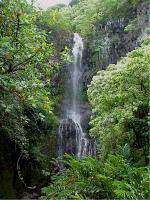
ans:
(25, 74)
(119, 97)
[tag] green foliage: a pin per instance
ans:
(119, 97)
(54, 18)
(65, 55)
(26, 104)
(24, 54)
(83, 16)
(89, 178)
(132, 26)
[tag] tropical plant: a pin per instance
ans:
(119, 97)
(26, 104)
(89, 178)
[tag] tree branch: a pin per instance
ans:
(17, 30)
(26, 61)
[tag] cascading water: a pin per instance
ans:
(71, 138)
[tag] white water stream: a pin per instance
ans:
(83, 145)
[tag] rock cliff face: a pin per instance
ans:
(69, 139)
(112, 40)
(71, 136)
(69, 132)
(115, 38)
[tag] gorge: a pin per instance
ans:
(74, 102)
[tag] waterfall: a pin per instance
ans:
(71, 137)
(76, 78)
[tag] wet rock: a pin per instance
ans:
(67, 131)
(85, 112)
(72, 140)
(33, 195)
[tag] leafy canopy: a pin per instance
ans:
(89, 178)
(25, 69)
(119, 96)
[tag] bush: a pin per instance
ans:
(89, 178)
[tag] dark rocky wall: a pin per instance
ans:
(115, 38)
(111, 41)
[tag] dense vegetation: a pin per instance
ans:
(24, 60)
(119, 96)
(26, 102)
(89, 178)
(33, 52)
(83, 16)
